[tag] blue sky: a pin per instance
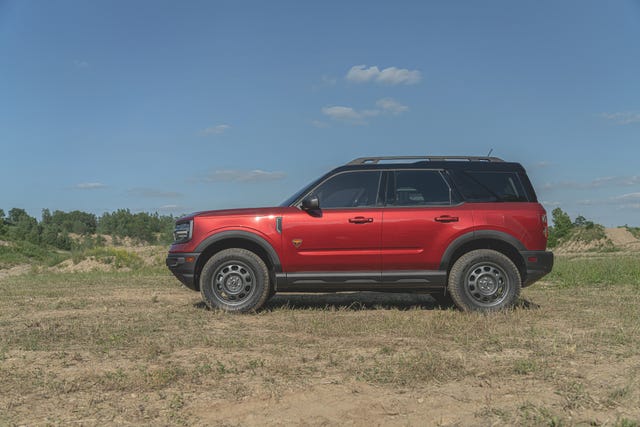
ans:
(182, 106)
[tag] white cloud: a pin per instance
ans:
(234, 175)
(391, 106)
(590, 202)
(389, 76)
(216, 130)
(329, 81)
(319, 124)
(90, 186)
(622, 118)
(171, 208)
(607, 181)
(542, 164)
(80, 63)
(358, 117)
(362, 74)
(348, 114)
(338, 112)
(154, 193)
(628, 197)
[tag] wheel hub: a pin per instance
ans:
(233, 283)
(487, 284)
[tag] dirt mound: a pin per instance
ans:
(579, 246)
(621, 237)
(15, 271)
(89, 264)
(618, 239)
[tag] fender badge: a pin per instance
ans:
(297, 242)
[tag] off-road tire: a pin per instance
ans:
(235, 280)
(484, 280)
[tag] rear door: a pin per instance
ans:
(420, 219)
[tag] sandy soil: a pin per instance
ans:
(621, 237)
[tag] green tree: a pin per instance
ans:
(23, 226)
(2, 226)
(583, 222)
(141, 226)
(562, 227)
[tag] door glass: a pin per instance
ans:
(349, 190)
(491, 186)
(418, 188)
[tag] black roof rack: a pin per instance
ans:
(376, 160)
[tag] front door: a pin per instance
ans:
(344, 234)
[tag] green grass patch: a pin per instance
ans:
(570, 272)
(28, 253)
(634, 230)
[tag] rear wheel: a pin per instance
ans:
(484, 280)
(235, 280)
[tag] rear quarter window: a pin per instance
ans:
(491, 186)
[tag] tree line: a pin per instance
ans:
(55, 228)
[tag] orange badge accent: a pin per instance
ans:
(297, 242)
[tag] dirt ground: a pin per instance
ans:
(137, 349)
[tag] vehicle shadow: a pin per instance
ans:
(352, 301)
(355, 301)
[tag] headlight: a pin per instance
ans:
(182, 232)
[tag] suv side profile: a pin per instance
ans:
(468, 228)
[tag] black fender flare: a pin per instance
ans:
(244, 235)
(445, 263)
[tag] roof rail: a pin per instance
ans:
(376, 160)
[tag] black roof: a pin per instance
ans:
(432, 162)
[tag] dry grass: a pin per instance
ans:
(135, 348)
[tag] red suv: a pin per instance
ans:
(466, 227)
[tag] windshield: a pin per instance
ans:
(300, 193)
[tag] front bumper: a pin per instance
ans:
(183, 266)
(538, 265)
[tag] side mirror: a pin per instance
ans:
(310, 204)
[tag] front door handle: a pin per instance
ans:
(447, 218)
(360, 220)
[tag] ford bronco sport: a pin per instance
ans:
(468, 228)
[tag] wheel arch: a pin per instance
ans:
(485, 239)
(237, 239)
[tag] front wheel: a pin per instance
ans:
(235, 280)
(484, 280)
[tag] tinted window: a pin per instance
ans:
(491, 186)
(348, 190)
(417, 188)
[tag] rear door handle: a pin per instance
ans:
(447, 218)
(360, 220)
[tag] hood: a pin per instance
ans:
(242, 212)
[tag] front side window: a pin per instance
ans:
(417, 188)
(349, 190)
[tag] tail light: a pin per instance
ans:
(545, 225)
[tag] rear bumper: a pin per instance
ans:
(183, 266)
(538, 265)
